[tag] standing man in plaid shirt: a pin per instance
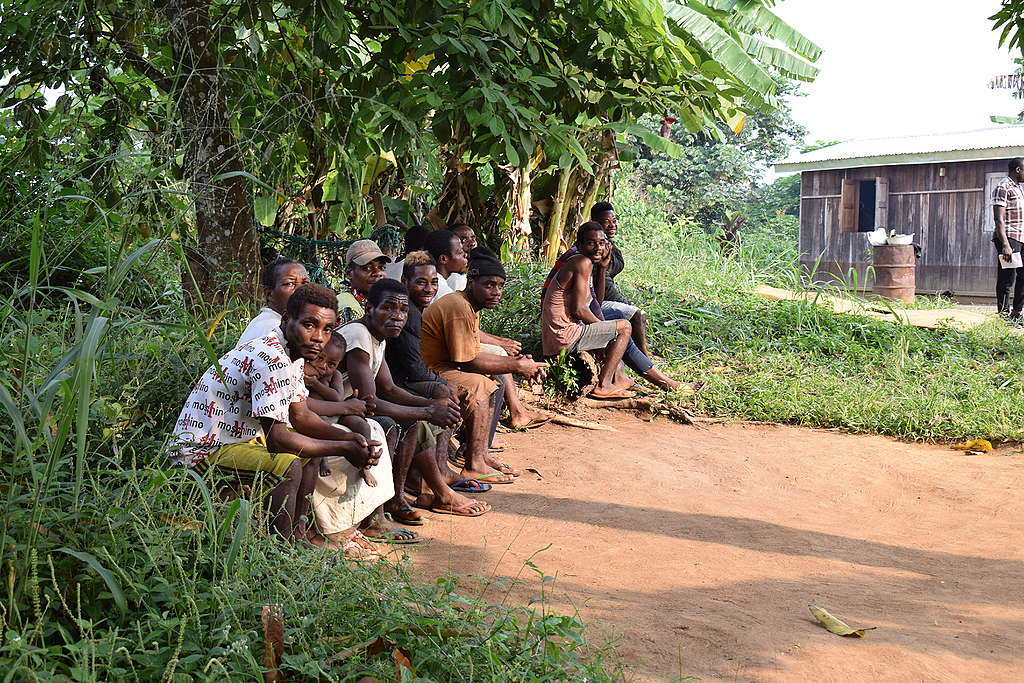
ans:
(1008, 207)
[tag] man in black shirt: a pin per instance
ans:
(614, 303)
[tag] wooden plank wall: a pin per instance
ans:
(947, 222)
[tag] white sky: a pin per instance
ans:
(898, 67)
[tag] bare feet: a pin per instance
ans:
(369, 478)
(660, 379)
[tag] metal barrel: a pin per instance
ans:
(895, 272)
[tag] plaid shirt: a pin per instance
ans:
(1010, 194)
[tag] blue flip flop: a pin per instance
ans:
(470, 486)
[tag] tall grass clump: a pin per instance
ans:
(117, 568)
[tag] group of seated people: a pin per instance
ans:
(360, 408)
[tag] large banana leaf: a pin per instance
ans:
(760, 19)
(721, 47)
(784, 61)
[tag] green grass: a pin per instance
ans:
(116, 568)
(796, 362)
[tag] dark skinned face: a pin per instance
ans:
(386, 320)
(457, 262)
(467, 236)
(289, 278)
(485, 291)
(610, 223)
(363, 277)
(423, 286)
(326, 363)
(594, 245)
(307, 333)
(1018, 174)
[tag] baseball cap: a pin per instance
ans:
(362, 252)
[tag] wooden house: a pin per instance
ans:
(938, 187)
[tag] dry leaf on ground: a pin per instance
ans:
(835, 625)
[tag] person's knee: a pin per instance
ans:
(294, 471)
(622, 326)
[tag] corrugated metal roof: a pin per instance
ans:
(997, 142)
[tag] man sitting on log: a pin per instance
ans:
(410, 414)
(450, 346)
(568, 318)
(237, 418)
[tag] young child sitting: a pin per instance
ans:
(325, 384)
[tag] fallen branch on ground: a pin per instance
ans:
(645, 404)
(582, 424)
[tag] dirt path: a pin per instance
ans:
(700, 548)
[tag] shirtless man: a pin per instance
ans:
(567, 320)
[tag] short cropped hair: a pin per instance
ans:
(311, 293)
(439, 243)
(382, 288)
(337, 339)
(599, 208)
(414, 261)
(584, 230)
(269, 276)
(1016, 163)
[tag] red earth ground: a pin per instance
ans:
(697, 550)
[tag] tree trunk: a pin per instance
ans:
(225, 262)
(553, 234)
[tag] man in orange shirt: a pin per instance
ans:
(450, 346)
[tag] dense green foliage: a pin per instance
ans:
(302, 115)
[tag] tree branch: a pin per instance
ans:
(131, 55)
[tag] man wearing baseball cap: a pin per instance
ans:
(364, 265)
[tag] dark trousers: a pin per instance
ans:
(1007, 278)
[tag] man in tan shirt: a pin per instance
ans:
(450, 346)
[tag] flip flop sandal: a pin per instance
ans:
(402, 517)
(459, 511)
(534, 423)
(498, 448)
(497, 474)
(469, 486)
(505, 468)
(614, 396)
(397, 537)
(360, 547)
